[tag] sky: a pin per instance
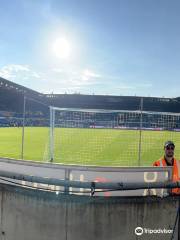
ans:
(106, 47)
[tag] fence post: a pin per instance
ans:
(140, 133)
(24, 113)
(51, 137)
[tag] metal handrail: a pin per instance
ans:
(89, 185)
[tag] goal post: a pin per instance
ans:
(67, 122)
(110, 137)
(69, 118)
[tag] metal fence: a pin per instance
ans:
(88, 137)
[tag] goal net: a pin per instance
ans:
(110, 138)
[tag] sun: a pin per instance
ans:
(61, 48)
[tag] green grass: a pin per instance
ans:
(103, 147)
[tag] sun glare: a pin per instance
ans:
(61, 48)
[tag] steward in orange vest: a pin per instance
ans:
(169, 160)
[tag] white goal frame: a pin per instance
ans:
(162, 116)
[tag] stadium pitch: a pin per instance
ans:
(102, 147)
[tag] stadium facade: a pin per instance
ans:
(11, 99)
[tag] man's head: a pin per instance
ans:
(169, 149)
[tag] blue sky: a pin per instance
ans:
(116, 47)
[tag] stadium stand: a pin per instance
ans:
(114, 102)
(11, 99)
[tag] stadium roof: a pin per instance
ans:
(11, 85)
(107, 102)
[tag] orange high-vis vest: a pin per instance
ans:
(175, 171)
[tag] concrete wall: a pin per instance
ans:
(36, 215)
